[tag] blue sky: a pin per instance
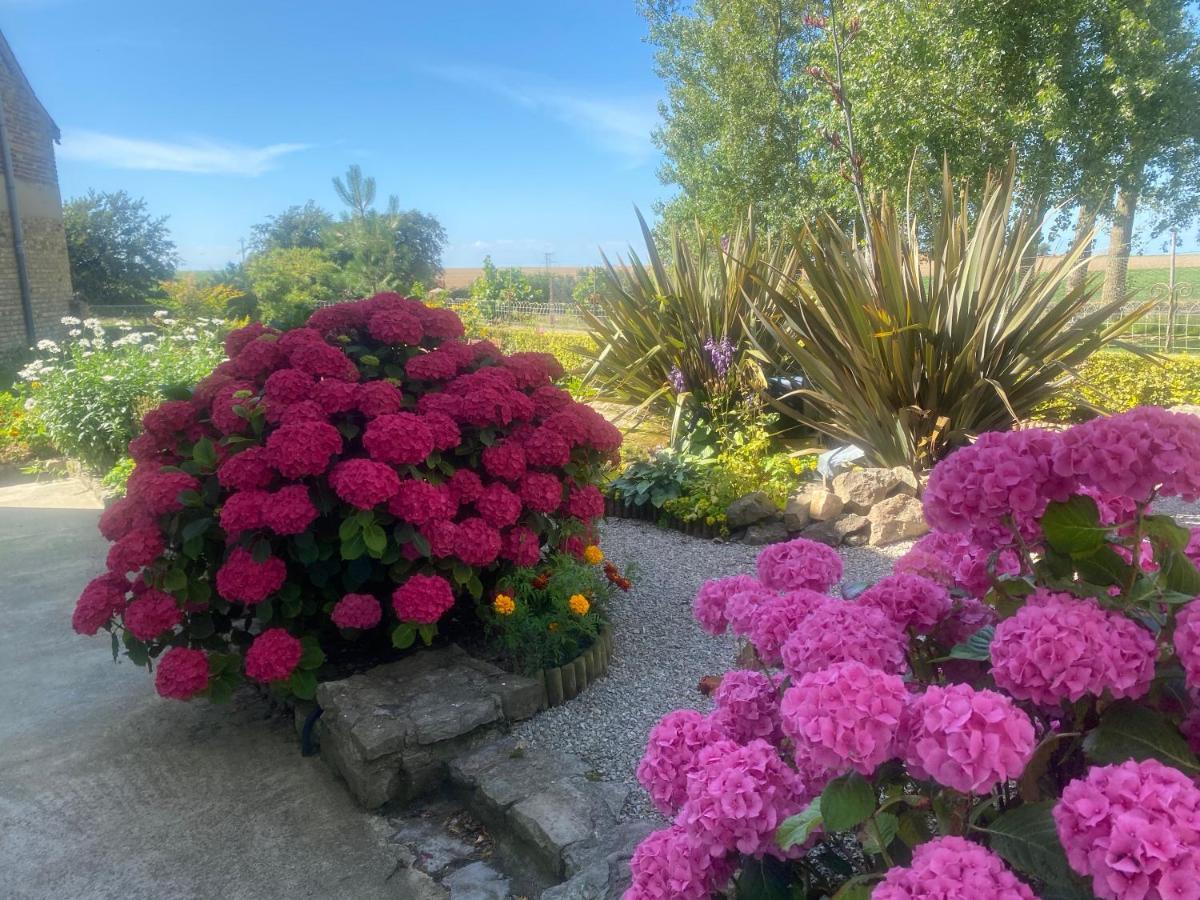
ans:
(524, 127)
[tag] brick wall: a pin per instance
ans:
(31, 137)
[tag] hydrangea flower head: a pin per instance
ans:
(670, 757)
(952, 868)
(911, 601)
(423, 599)
(747, 706)
(273, 656)
(799, 563)
(840, 632)
(670, 864)
(182, 673)
(776, 619)
(356, 611)
(709, 605)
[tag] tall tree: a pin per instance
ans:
(297, 226)
(119, 253)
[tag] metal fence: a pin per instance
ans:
(559, 316)
(1170, 327)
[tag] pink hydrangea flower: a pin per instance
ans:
(747, 707)
(952, 868)
(1134, 829)
(776, 619)
(123, 517)
(242, 580)
(246, 471)
(1136, 454)
(670, 864)
(181, 673)
(1058, 647)
(102, 598)
(423, 599)
(912, 602)
(356, 611)
(1192, 551)
(137, 548)
(521, 546)
(710, 602)
(505, 460)
(151, 613)
(955, 561)
(966, 739)
(465, 486)
(841, 632)
(738, 796)
(364, 483)
(243, 511)
(1187, 643)
(273, 656)
(799, 564)
(585, 503)
(670, 757)
(846, 716)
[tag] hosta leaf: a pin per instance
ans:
(1128, 730)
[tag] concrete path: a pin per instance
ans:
(108, 791)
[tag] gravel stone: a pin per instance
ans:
(659, 653)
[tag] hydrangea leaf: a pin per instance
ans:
(1128, 730)
(1027, 840)
(1074, 527)
(847, 802)
(796, 829)
(977, 646)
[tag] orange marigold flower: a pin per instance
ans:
(541, 581)
(593, 555)
(504, 605)
(579, 604)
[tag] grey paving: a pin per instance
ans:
(108, 791)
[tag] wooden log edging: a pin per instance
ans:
(568, 681)
(618, 509)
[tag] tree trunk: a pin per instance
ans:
(1084, 225)
(1118, 241)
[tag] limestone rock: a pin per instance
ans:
(835, 532)
(906, 482)
(766, 533)
(601, 869)
(898, 518)
(477, 881)
(747, 510)
(795, 514)
(389, 732)
(861, 489)
(566, 813)
(824, 505)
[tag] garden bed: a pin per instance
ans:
(617, 509)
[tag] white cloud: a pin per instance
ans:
(198, 156)
(621, 125)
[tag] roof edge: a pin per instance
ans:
(10, 60)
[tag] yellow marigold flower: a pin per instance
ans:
(504, 605)
(579, 604)
(593, 555)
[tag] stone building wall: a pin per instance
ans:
(31, 136)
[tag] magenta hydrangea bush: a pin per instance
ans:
(1013, 713)
(371, 470)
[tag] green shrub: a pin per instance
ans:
(1117, 380)
(117, 477)
(91, 390)
(21, 434)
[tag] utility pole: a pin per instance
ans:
(549, 257)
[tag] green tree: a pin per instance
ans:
(296, 226)
(119, 253)
(589, 284)
(290, 282)
(497, 286)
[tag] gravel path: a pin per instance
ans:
(661, 654)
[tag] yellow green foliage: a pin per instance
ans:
(565, 345)
(1117, 380)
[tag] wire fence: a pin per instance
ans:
(1170, 327)
(553, 316)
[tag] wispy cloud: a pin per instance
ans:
(198, 156)
(621, 125)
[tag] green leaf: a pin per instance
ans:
(428, 633)
(195, 528)
(375, 538)
(977, 646)
(1166, 532)
(1128, 730)
(1103, 567)
(1074, 527)
(404, 636)
(764, 879)
(914, 827)
(354, 548)
(116, 646)
(191, 498)
(201, 626)
(204, 453)
(312, 657)
(847, 802)
(796, 829)
(886, 826)
(303, 684)
(261, 550)
(348, 529)
(853, 890)
(475, 586)
(1177, 573)
(175, 580)
(1026, 838)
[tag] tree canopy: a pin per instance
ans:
(119, 252)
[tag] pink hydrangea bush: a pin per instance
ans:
(369, 472)
(1013, 713)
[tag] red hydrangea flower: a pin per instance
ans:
(240, 337)
(585, 503)
(360, 611)
(246, 470)
(504, 460)
(521, 546)
(363, 482)
(303, 448)
(169, 418)
(436, 365)
(546, 448)
(378, 398)
(286, 386)
(533, 369)
(273, 656)
(158, 492)
(446, 435)
(242, 580)
(102, 598)
(423, 599)
(123, 517)
(399, 438)
(549, 399)
(289, 510)
(541, 492)
(243, 511)
(182, 673)
(419, 501)
(395, 326)
(476, 542)
(465, 486)
(442, 536)
(320, 359)
(151, 613)
(335, 396)
(498, 506)
(228, 406)
(440, 324)
(139, 547)
(260, 355)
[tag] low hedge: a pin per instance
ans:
(1117, 380)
